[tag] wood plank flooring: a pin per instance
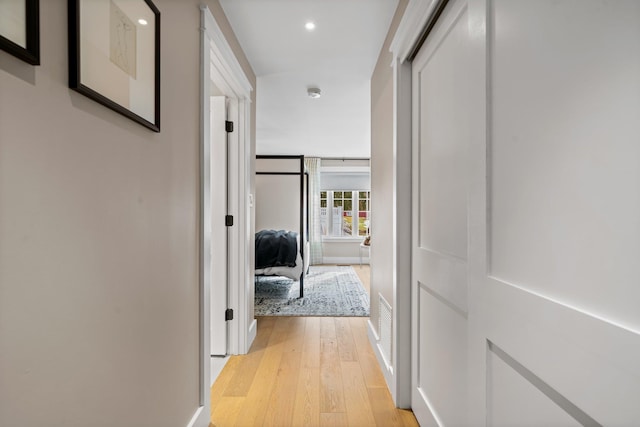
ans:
(307, 371)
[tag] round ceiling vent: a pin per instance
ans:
(313, 92)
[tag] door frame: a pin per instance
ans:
(219, 66)
(417, 21)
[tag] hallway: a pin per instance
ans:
(307, 371)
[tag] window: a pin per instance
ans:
(364, 211)
(345, 213)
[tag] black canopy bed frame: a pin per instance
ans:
(297, 171)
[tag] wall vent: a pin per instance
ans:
(384, 328)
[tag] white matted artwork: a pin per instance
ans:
(13, 16)
(122, 40)
(20, 29)
(116, 59)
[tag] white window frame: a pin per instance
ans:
(355, 199)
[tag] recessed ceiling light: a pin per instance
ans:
(310, 26)
(142, 21)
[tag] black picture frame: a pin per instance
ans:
(30, 53)
(113, 70)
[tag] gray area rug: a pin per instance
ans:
(328, 291)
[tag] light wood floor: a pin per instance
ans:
(307, 371)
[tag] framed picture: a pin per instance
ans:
(20, 29)
(114, 56)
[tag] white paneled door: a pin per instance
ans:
(219, 245)
(526, 215)
(442, 132)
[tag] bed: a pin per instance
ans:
(282, 217)
(278, 253)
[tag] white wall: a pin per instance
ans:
(278, 202)
(343, 252)
(382, 180)
(99, 249)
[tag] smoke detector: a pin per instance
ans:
(313, 92)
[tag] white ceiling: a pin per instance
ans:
(338, 57)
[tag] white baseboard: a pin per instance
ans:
(387, 370)
(344, 260)
(217, 365)
(253, 332)
(200, 419)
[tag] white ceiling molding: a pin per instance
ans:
(413, 21)
(228, 68)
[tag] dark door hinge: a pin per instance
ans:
(228, 314)
(228, 126)
(228, 220)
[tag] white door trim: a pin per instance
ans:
(415, 18)
(220, 66)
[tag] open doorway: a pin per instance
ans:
(311, 220)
